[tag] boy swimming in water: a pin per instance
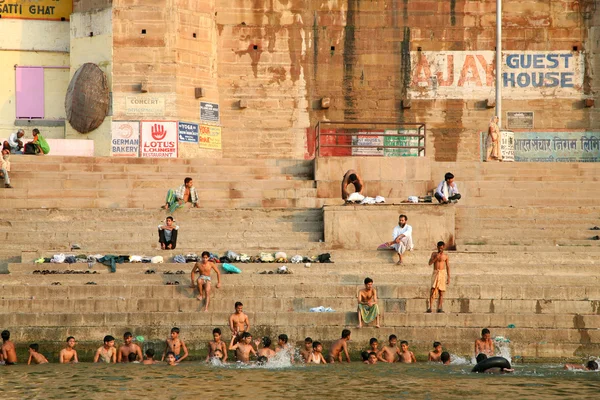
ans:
(316, 357)
(372, 358)
(266, 350)
(217, 344)
(307, 350)
(590, 366)
(68, 354)
(9, 354)
(485, 345)
(406, 356)
(373, 346)
(107, 353)
(174, 344)
(335, 352)
(35, 356)
(170, 358)
(149, 360)
(436, 353)
(445, 358)
(243, 349)
(391, 352)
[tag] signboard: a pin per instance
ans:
(401, 141)
(159, 139)
(507, 146)
(519, 120)
(145, 105)
(472, 74)
(209, 113)
(58, 10)
(188, 132)
(210, 137)
(125, 140)
(368, 138)
(557, 146)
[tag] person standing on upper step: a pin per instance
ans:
(402, 237)
(179, 197)
(447, 191)
(167, 235)
(351, 177)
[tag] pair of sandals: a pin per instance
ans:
(172, 283)
(439, 310)
(176, 272)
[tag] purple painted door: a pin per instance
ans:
(30, 92)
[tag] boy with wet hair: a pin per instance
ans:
(243, 349)
(436, 353)
(171, 359)
(307, 350)
(107, 353)
(9, 353)
(316, 357)
(373, 345)
(391, 352)
(238, 321)
(35, 355)
(204, 268)
(217, 344)
(484, 345)
(149, 357)
(266, 351)
(68, 354)
(406, 356)
(589, 366)
(174, 345)
(445, 358)
(335, 352)
(128, 348)
(372, 359)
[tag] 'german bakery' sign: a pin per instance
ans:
(472, 74)
(36, 9)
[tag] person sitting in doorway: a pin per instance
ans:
(351, 177)
(447, 191)
(185, 193)
(167, 234)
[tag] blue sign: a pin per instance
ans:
(557, 146)
(188, 132)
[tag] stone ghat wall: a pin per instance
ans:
(281, 57)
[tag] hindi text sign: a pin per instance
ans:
(209, 113)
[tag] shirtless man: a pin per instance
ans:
(368, 310)
(68, 354)
(174, 345)
(307, 350)
(436, 354)
(204, 268)
(406, 356)
(266, 350)
(485, 345)
(179, 197)
(35, 356)
(335, 352)
(351, 177)
(106, 353)
(391, 352)
(129, 347)
(238, 321)
(440, 277)
(9, 354)
(217, 344)
(243, 348)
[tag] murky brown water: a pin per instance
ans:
(194, 380)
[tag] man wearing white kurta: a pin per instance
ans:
(402, 237)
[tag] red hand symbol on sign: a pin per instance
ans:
(158, 132)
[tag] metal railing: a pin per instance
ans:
(366, 139)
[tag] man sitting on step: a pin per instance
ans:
(447, 191)
(402, 237)
(167, 234)
(185, 193)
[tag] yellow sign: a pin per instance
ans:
(210, 137)
(36, 9)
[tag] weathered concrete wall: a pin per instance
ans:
(364, 227)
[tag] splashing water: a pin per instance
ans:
(503, 347)
(458, 360)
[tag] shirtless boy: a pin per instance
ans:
(35, 356)
(368, 310)
(406, 356)
(266, 350)
(373, 346)
(335, 352)
(372, 359)
(307, 350)
(9, 354)
(127, 348)
(203, 283)
(238, 321)
(217, 344)
(107, 353)
(391, 352)
(171, 359)
(590, 366)
(68, 354)
(445, 358)
(440, 277)
(174, 344)
(436, 353)
(149, 360)
(243, 348)
(316, 357)
(485, 345)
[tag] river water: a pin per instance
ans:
(192, 380)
